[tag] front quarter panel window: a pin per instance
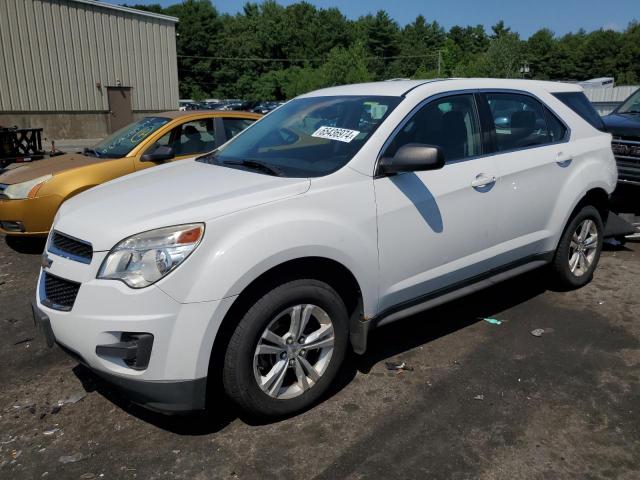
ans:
(309, 137)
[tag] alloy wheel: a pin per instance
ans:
(294, 351)
(583, 247)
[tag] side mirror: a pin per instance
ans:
(413, 157)
(159, 154)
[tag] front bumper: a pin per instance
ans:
(107, 313)
(162, 396)
(35, 214)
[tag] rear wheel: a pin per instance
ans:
(286, 349)
(579, 249)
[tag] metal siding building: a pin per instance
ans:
(605, 100)
(59, 59)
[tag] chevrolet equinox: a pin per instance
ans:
(347, 208)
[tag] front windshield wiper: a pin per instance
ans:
(631, 111)
(255, 165)
(91, 152)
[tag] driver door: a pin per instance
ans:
(437, 228)
(188, 139)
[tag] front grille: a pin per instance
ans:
(59, 293)
(627, 153)
(72, 248)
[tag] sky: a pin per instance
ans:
(523, 16)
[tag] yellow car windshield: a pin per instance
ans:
(120, 143)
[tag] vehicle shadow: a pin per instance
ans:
(385, 343)
(28, 245)
(625, 200)
(394, 339)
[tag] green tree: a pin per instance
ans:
(503, 58)
(345, 65)
(420, 44)
(380, 36)
(540, 52)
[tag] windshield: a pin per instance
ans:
(307, 137)
(631, 105)
(120, 143)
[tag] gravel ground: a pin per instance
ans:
(483, 401)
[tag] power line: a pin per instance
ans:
(267, 59)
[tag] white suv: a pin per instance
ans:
(347, 208)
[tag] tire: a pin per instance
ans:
(259, 350)
(571, 271)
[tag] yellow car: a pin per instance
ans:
(31, 194)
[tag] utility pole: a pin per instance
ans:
(439, 62)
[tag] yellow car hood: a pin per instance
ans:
(39, 168)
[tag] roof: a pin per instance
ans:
(396, 88)
(173, 114)
(392, 88)
(143, 13)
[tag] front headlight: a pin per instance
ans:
(29, 189)
(147, 257)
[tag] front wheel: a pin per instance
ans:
(579, 249)
(286, 349)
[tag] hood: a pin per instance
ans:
(623, 125)
(38, 168)
(172, 194)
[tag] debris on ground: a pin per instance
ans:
(537, 332)
(24, 340)
(76, 457)
(75, 398)
(479, 397)
(51, 431)
(398, 366)
(493, 321)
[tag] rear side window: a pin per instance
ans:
(579, 103)
(521, 121)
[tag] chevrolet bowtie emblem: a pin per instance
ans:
(45, 261)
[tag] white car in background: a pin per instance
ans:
(343, 210)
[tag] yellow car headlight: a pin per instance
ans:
(28, 189)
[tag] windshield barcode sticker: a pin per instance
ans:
(334, 133)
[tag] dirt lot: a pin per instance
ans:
(483, 400)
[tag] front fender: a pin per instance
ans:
(238, 248)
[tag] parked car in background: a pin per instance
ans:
(266, 107)
(30, 195)
(345, 209)
(624, 124)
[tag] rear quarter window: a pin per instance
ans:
(579, 103)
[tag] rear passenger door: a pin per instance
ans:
(436, 228)
(533, 160)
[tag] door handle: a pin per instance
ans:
(563, 159)
(483, 180)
